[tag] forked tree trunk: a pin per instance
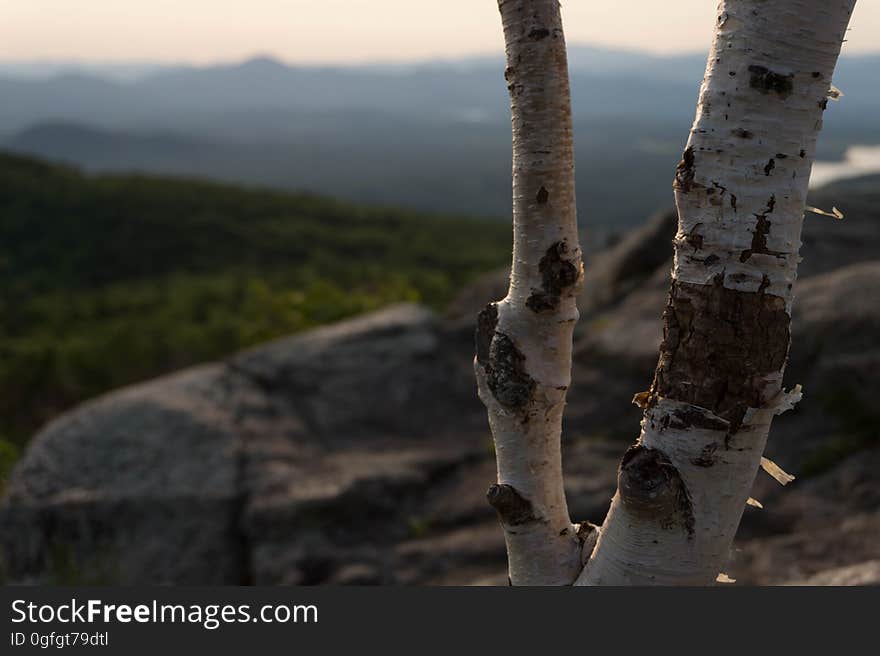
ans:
(523, 362)
(740, 191)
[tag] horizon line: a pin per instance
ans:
(354, 63)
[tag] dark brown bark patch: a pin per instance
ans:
(718, 345)
(742, 133)
(692, 417)
(587, 534)
(762, 231)
(684, 172)
(557, 274)
(695, 241)
(584, 530)
(542, 196)
(539, 33)
(513, 509)
(707, 456)
(766, 81)
(506, 376)
(650, 487)
(487, 319)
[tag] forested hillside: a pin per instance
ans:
(112, 279)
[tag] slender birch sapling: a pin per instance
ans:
(523, 362)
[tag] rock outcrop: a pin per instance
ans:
(867, 573)
(291, 463)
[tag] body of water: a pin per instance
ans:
(857, 161)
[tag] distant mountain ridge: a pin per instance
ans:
(430, 135)
(603, 79)
(581, 57)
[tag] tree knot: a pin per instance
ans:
(651, 487)
(685, 171)
(506, 374)
(512, 508)
(487, 319)
(557, 275)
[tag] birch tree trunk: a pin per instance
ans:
(523, 363)
(740, 190)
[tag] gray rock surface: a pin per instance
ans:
(140, 485)
(252, 470)
(862, 574)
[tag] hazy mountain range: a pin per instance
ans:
(430, 135)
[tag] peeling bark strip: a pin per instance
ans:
(683, 487)
(523, 360)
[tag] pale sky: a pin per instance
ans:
(344, 30)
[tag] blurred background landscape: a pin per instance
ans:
(431, 135)
(158, 216)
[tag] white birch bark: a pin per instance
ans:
(523, 363)
(740, 191)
